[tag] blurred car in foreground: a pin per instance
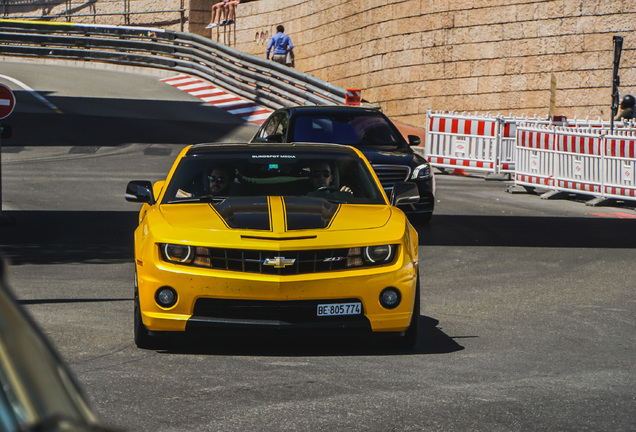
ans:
(370, 131)
(302, 237)
(37, 392)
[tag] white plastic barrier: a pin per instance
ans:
(578, 158)
(474, 142)
(462, 141)
(562, 158)
(534, 156)
(619, 165)
(588, 161)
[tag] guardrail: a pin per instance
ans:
(254, 78)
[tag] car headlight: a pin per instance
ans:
(378, 254)
(421, 172)
(175, 253)
(370, 255)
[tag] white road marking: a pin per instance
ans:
(33, 92)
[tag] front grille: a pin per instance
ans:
(390, 174)
(253, 261)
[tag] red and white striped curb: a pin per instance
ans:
(248, 111)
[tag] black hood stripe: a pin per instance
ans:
(253, 213)
(245, 212)
(308, 213)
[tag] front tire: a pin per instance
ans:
(143, 339)
(408, 339)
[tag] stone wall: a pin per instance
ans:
(408, 56)
(494, 56)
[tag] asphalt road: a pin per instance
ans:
(528, 306)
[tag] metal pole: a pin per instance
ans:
(4, 219)
(616, 80)
(181, 15)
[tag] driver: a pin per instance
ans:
(218, 182)
(321, 178)
(219, 179)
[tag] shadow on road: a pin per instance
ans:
(432, 340)
(525, 231)
(58, 237)
(50, 237)
(114, 122)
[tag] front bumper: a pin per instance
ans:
(227, 299)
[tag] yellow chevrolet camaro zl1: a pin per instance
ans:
(274, 236)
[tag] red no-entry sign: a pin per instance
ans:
(7, 101)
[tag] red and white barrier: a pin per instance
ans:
(577, 165)
(534, 157)
(586, 161)
(579, 156)
(473, 142)
(619, 165)
(460, 141)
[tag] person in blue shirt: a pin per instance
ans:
(282, 44)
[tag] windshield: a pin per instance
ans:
(216, 176)
(370, 129)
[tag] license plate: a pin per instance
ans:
(339, 309)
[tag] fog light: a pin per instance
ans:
(390, 298)
(166, 297)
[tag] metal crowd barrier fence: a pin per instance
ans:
(257, 79)
(474, 142)
(463, 141)
(487, 143)
(592, 161)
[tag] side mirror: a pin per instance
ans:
(414, 140)
(140, 191)
(404, 193)
(275, 138)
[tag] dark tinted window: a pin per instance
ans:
(358, 130)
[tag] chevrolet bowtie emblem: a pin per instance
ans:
(279, 262)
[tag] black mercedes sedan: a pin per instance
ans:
(367, 129)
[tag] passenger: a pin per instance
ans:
(321, 179)
(282, 45)
(627, 108)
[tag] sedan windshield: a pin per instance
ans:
(357, 130)
(213, 177)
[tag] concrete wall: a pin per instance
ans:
(408, 56)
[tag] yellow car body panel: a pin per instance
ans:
(201, 225)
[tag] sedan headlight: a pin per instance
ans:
(421, 172)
